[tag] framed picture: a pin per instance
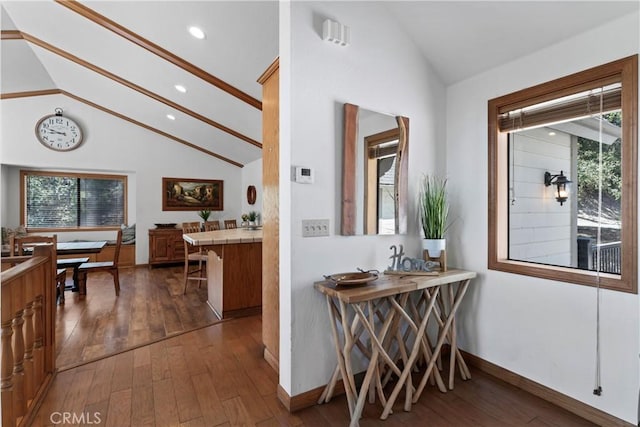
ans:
(184, 194)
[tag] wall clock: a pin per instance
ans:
(59, 132)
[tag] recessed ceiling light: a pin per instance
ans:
(171, 117)
(196, 32)
(552, 133)
(180, 88)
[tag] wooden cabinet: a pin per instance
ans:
(234, 279)
(270, 217)
(165, 246)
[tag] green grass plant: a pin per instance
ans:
(433, 206)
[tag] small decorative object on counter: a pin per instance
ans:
(253, 217)
(204, 214)
(401, 265)
(250, 220)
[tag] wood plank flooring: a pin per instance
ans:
(151, 306)
(216, 376)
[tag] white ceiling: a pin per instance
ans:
(459, 39)
(463, 38)
(111, 71)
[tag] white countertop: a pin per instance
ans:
(224, 237)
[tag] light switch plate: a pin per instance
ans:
(315, 227)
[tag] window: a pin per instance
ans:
(581, 128)
(71, 201)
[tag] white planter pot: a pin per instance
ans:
(434, 246)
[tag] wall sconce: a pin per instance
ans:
(561, 182)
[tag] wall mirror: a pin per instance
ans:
(374, 172)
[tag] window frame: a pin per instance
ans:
(625, 71)
(371, 180)
(23, 198)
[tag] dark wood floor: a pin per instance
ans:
(216, 376)
(151, 306)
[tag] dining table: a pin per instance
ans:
(76, 248)
(71, 248)
(80, 247)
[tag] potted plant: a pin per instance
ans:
(253, 218)
(204, 214)
(434, 211)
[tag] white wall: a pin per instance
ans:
(252, 175)
(380, 71)
(111, 146)
(541, 329)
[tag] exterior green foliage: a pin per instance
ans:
(433, 208)
(55, 201)
(588, 166)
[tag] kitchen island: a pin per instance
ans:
(234, 270)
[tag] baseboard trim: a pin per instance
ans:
(570, 404)
(271, 360)
(306, 399)
(311, 397)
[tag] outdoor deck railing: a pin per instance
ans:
(610, 259)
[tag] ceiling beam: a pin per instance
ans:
(27, 94)
(105, 22)
(11, 35)
(15, 95)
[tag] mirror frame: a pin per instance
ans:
(349, 158)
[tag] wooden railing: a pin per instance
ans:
(27, 349)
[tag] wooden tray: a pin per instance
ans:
(352, 278)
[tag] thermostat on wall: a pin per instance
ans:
(304, 175)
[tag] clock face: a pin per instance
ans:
(58, 133)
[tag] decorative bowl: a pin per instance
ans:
(352, 278)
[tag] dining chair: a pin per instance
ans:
(211, 225)
(23, 245)
(110, 267)
(230, 223)
(193, 253)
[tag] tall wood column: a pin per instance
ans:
(270, 216)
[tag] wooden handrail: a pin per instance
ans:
(27, 333)
(23, 264)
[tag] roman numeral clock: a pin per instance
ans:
(59, 132)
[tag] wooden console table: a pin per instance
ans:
(393, 312)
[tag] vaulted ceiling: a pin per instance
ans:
(464, 38)
(125, 58)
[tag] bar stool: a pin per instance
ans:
(193, 253)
